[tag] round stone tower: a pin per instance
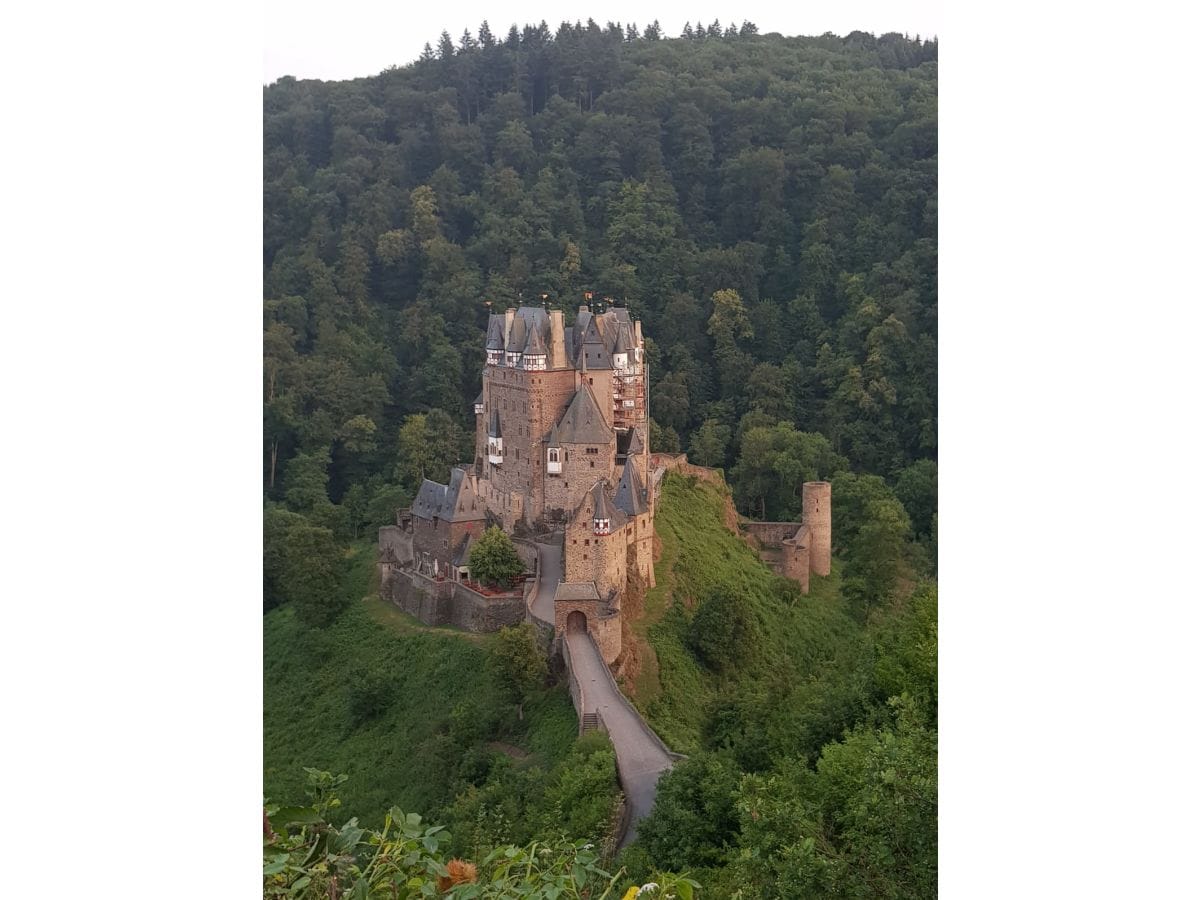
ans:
(817, 498)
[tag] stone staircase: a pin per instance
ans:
(589, 722)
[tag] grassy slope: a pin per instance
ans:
(673, 690)
(405, 756)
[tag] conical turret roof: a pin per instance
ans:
(602, 508)
(536, 344)
(495, 336)
(630, 494)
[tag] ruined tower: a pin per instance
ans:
(817, 499)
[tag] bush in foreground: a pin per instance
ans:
(306, 856)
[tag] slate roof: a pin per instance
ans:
(630, 496)
(576, 590)
(604, 333)
(494, 424)
(594, 355)
(461, 504)
(429, 499)
(535, 345)
(625, 342)
(583, 423)
(636, 444)
(462, 555)
(495, 336)
(602, 507)
(527, 319)
(592, 337)
(455, 502)
(630, 442)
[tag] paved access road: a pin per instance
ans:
(640, 757)
(550, 564)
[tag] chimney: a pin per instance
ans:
(637, 332)
(558, 341)
(509, 315)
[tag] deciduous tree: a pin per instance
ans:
(494, 559)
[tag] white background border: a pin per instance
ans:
(131, 361)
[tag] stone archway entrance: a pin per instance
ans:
(576, 622)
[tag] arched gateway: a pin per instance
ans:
(576, 621)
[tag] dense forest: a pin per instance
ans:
(768, 206)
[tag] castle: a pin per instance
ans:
(561, 448)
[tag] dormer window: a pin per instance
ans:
(514, 358)
(495, 450)
(601, 526)
(479, 409)
(495, 357)
(535, 363)
(553, 462)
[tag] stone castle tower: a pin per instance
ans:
(561, 409)
(562, 439)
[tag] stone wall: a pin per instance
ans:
(643, 548)
(442, 603)
(580, 472)
(603, 623)
(441, 540)
(528, 553)
(398, 540)
(797, 563)
(475, 612)
(529, 404)
(770, 534)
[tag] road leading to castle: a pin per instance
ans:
(550, 566)
(640, 757)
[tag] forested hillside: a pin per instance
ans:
(812, 738)
(767, 205)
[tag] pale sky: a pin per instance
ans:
(354, 38)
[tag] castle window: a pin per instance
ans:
(592, 463)
(586, 542)
(585, 556)
(591, 381)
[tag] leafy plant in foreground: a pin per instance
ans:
(306, 856)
